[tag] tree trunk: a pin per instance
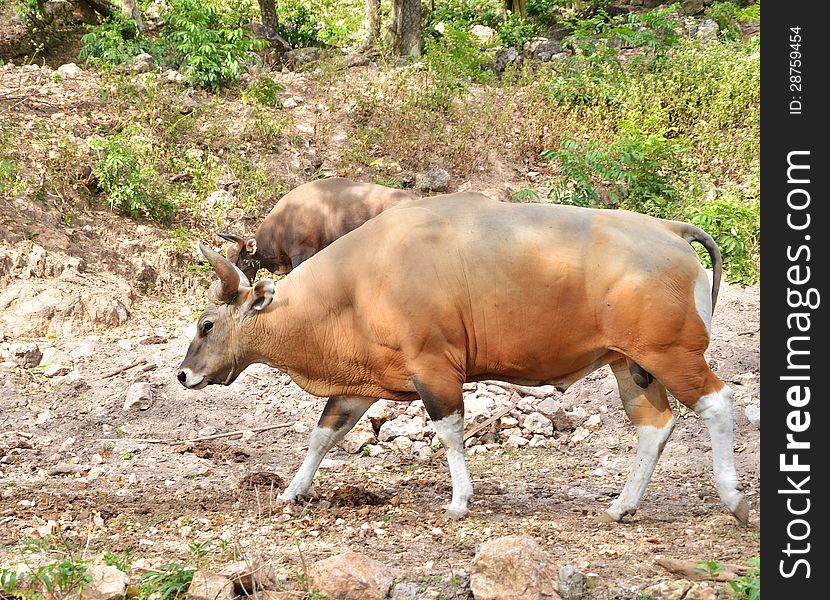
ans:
(517, 7)
(372, 22)
(406, 21)
(268, 11)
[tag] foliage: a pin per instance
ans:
(123, 561)
(654, 29)
(638, 171)
(747, 587)
(728, 15)
(167, 582)
(56, 580)
(710, 568)
(210, 42)
(115, 41)
(734, 223)
(452, 62)
(263, 90)
(298, 24)
(130, 183)
(8, 173)
(515, 31)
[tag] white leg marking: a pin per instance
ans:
(322, 440)
(450, 431)
(650, 443)
(716, 411)
(703, 299)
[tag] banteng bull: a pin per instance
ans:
(442, 291)
(307, 219)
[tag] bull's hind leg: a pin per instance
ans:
(690, 380)
(651, 414)
(445, 404)
(339, 416)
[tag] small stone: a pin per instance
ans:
(432, 180)
(753, 413)
(210, 586)
(516, 441)
(351, 575)
(69, 71)
(402, 425)
(139, 396)
(484, 34)
(580, 435)
(513, 567)
(668, 590)
(107, 583)
(26, 354)
(573, 584)
(593, 423)
(249, 576)
(361, 435)
(537, 423)
(290, 103)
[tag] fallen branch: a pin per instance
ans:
(205, 438)
(479, 427)
(698, 571)
(541, 392)
(115, 372)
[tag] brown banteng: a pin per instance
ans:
(441, 291)
(307, 219)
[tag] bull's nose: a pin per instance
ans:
(182, 377)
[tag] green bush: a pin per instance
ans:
(734, 222)
(115, 41)
(298, 24)
(452, 62)
(639, 171)
(129, 182)
(747, 587)
(728, 15)
(515, 31)
(210, 43)
(263, 90)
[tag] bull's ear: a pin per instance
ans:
(260, 296)
(250, 246)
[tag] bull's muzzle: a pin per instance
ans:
(191, 381)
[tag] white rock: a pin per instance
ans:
(516, 441)
(475, 405)
(139, 396)
(580, 435)
(593, 423)
(753, 413)
(108, 583)
(69, 71)
(361, 434)
(290, 102)
(538, 424)
(403, 445)
(402, 425)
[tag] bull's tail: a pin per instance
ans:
(690, 233)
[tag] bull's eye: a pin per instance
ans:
(207, 326)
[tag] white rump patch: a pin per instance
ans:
(703, 299)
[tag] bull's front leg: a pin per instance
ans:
(339, 416)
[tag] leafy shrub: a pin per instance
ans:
(130, 184)
(55, 580)
(653, 29)
(7, 174)
(515, 31)
(263, 90)
(209, 42)
(116, 40)
(734, 222)
(639, 171)
(729, 14)
(299, 24)
(747, 587)
(168, 582)
(452, 62)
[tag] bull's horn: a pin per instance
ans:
(232, 237)
(230, 276)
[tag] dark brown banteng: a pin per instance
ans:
(441, 291)
(307, 219)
